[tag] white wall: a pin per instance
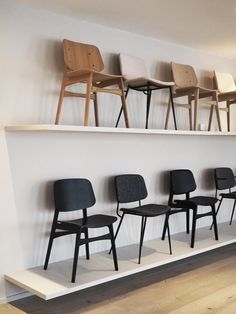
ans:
(31, 68)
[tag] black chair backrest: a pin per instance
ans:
(182, 181)
(73, 194)
(224, 178)
(130, 188)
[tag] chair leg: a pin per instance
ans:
(124, 109)
(95, 100)
(214, 221)
(59, 106)
(121, 109)
(142, 231)
(51, 238)
(187, 221)
(166, 223)
(190, 113)
(210, 117)
(113, 246)
(218, 116)
(76, 254)
(117, 230)
(173, 107)
(87, 100)
(196, 109)
(169, 240)
(228, 116)
(87, 244)
(167, 114)
(232, 215)
(217, 210)
(193, 228)
(149, 95)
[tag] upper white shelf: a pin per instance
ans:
(89, 129)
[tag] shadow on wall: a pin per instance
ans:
(207, 179)
(164, 182)
(163, 71)
(206, 79)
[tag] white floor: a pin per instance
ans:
(55, 281)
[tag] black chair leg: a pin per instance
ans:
(187, 221)
(168, 231)
(193, 228)
(48, 251)
(121, 109)
(149, 95)
(117, 230)
(217, 210)
(87, 244)
(113, 246)
(232, 215)
(214, 221)
(76, 254)
(166, 223)
(142, 231)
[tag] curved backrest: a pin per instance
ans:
(224, 82)
(82, 56)
(130, 188)
(224, 178)
(182, 181)
(183, 75)
(132, 67)
(73, 194)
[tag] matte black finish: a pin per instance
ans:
(182, 182)
(77, 194)
(131, 188)
(225, 180)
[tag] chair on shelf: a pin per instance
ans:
(83, 64)
(226, 92)
(136, 77)
(132, 188)
(225, 180)
(182, 182)
(73, 195)
(186, 85)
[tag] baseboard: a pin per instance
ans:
(15, 297)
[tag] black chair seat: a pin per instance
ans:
(95, 221)
(231, 195)
(149, 210)
(193, 202)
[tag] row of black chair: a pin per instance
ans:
(77, 194)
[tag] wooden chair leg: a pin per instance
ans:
(228, 116)
(124, 108)
(218, 116)
(196, 109)
(87, 244)
(214, 221)
(76, 254)
(190, 113)
(210, 117)
(59, 106)
(113, 247)
(193, 228)
(167, 114)
(87, 100)
(96, 109)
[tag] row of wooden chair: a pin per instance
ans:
(83, 64)
(77, 194)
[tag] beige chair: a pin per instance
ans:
(186, 84)
(83, 64)
(136, 77)
(226, 92)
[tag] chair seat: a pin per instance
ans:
(95, 221)
(193, 202)
(149, 210)
(144, 81)
(231, 195)
(227, 96)
(97, 76)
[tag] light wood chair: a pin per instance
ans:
(83, 64)
(137, 78)
(186, 84)
(226, 91)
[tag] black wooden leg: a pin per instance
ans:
(76, 254)
(217, 210)
(143, 226)
(121, 109)
(149, 95)
(193, 227)
(232, 215)
(87, 244)
(48, 251)
(168, 231)
(187, 221)
(117, 230)
(173, 108)
(113, 246)
(214, 221)
(166, 223)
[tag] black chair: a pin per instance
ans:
(182, 182)
(72, 195)
(225, 180)
(132, 188)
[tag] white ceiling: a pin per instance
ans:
(208, 25)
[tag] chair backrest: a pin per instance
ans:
(182, 181)
(73, 194)
(82, 56)
(224, 82)
(130, 188)
(132, 67)
(183, 75)
(224, 178)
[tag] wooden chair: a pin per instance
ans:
(136, 77)
(226, 92)
(83, 64)
(186, 84)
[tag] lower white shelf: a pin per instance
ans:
(99, 269)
